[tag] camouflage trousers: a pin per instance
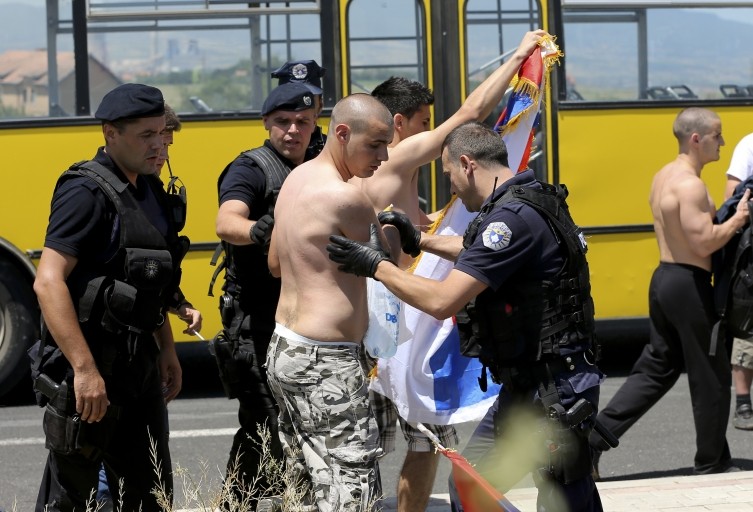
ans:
(327, 428)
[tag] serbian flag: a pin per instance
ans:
(428, 379)
(520, 117)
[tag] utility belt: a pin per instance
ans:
(565, 430)
(65, 433)
(528, 376)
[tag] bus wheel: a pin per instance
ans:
(19, 320)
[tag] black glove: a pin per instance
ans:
(261, 232)
(357, 258)
(410, 237)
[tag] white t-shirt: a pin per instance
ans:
(741, 165)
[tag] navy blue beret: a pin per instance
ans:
(129, 101)
(305, 71)
(292, 97)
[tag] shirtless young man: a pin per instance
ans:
(414, 145)
(681, 306)
(327, 428)
(396, 183)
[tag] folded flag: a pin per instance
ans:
(519, 119)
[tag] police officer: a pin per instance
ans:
(523, 260)
(108, 274)
(248, 189)
(310, 74)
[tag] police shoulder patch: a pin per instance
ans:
(497, 236)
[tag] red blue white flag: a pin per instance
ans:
(520, 118)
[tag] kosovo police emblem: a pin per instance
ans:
(151, 268)
(299, 71)
(496, 236)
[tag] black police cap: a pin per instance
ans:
(305, 71)
(130, 101)
(292, 97)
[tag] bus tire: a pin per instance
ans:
(19, 321)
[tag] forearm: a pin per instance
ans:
(234, 229)
(721, 234)
(164, 336)
(486, 96)
(419, 292)
(444, 246)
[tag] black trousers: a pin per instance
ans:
(256, 407)
(69, 481)
(682, 316)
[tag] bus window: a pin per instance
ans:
(385, 39)
(203, 61)
(651, 53)
(36, 72)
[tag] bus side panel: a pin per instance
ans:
(35, 158)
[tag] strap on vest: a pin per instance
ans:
(216, 256)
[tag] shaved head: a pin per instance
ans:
(693, 120)
(357, 111)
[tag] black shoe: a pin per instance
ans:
(729, 467)
(743, 418)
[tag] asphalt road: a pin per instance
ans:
(203, 421)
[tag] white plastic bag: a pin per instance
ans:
(384, 320)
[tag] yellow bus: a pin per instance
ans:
(606, 127)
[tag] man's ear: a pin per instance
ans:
(108, 131)
(399, 120)
(342, 132)
(467, 164)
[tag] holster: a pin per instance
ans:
(567, 440)
(223, 348)
(65, 433)
(234, 355)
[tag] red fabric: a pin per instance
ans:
(475, 493)
(533, 67)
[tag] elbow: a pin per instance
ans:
(221, 230)
(41, 284)
(442, 311)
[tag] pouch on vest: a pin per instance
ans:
(177, 202)
(124, 312)
(148, 269)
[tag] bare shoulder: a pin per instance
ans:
(678, 180)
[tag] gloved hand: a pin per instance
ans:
(357, 258)
(261, 232)
(410, 237)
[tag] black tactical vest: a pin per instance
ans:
(528, 321)
(239, 261)
(126, 295)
